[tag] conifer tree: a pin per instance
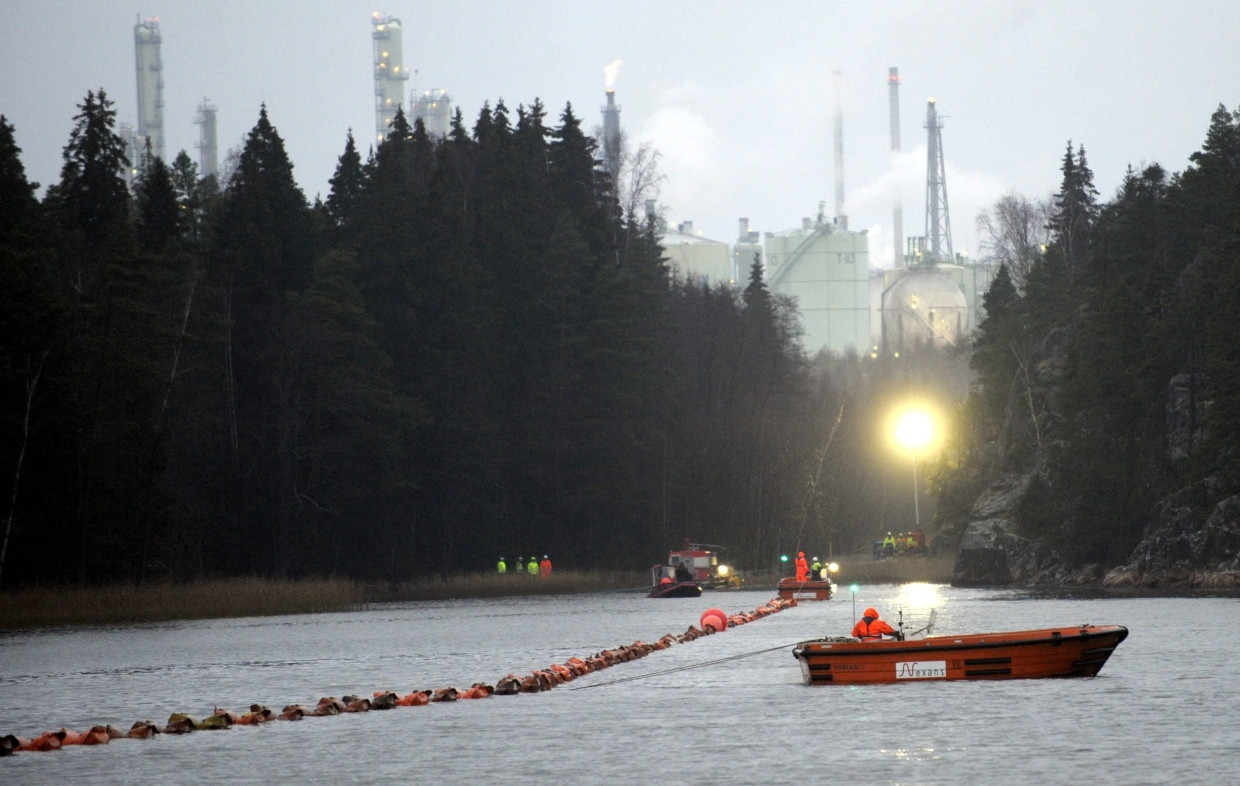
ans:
(346, 183)
(1075, 209)
(159, 214)
(29, 334)
(264, 227)
(1207, 200)
(263, 247)
(17, 200)
(573, 167)
(193, 194)
(998, 350)
(91, 187)
(351, 432)
(1050, 285)
(1114, 384)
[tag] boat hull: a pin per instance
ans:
(789, 589)
(1078, 651)
(681, 589)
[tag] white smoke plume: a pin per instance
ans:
(610, 71)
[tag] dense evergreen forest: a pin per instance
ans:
(469, 348)
(1110, 378)
(466, 350)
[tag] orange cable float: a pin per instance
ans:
(711, 621)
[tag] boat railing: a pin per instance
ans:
(920, 633)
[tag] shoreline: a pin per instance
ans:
(128, 604)
(122, 604)
(119, 604)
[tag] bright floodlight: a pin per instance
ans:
(914, 430)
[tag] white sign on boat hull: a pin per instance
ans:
(921, 669)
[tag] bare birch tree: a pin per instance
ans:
(1013, 232)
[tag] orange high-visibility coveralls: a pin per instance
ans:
(870, 627)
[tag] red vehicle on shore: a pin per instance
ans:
(701, 562)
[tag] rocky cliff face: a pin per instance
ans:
(1185, 544)
(1181, 548)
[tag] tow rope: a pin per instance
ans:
(712, 621)
(714, 662)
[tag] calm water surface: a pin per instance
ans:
(1165, 709)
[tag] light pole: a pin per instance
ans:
(916, 508)
(914, 432)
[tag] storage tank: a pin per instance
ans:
(923, 306)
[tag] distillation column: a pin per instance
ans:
(390, 73)
(150, 73)
(208, 150)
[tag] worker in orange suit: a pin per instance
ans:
(802, 566)
(870, 627)
(544, 567)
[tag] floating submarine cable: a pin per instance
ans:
(712, 621)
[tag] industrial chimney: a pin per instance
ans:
(841, 214)
(611, 135)
(897, 209)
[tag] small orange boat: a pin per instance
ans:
(810, 589)
(1077, 651)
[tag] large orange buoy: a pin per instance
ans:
(715, 619)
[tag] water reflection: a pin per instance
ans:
(751, 714)
(918, 598)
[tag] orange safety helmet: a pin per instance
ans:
(870, 612)
(800, 553)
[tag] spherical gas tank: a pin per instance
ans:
(925, 306)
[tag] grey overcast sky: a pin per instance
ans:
(736, 96)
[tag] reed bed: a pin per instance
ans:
(209, 598)
(495, 585)
(37, 607)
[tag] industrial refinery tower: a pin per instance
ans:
(613, 140)
(897, 210)
(841, 214)
(434, 108)
(150, 73)
(208, 148)
(926, 302)
(611, 136)
(390, 73)
(938, 219)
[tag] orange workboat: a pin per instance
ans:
(809, 589)
(1076, 651)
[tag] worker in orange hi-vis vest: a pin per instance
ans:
(802, 566)
(544, 567)
(871, 627)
